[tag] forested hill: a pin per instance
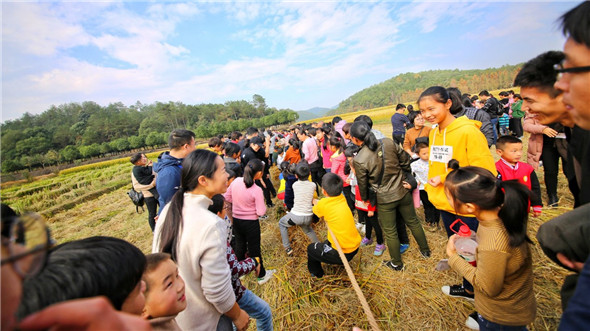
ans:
(407, 87)
(82, 130)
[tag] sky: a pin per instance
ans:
(296, 54)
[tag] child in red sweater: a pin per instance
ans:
(509, 167)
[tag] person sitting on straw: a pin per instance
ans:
(334, 210)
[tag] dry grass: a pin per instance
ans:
(409, 300)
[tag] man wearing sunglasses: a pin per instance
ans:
(25, 242)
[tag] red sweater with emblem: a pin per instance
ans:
(525, 174)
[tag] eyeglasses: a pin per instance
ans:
(27, 240)
(561, 70)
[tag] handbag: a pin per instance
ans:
(137, 199)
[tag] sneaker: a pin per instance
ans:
(263, 217)
(457, 291)
(267, 277)
(432, 227)
(471, 321)
(289, 251)
(366, 241)
(425, 254)
(390, 265)
(379, 249)
(403, 248)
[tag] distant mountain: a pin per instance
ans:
(408, 86)
(306, 115)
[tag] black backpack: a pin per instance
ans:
(137, 198)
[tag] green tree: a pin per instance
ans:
(136, 141)
(69, 153)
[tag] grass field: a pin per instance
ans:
(93, 201)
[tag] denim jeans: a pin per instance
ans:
(257, 309)
(494, 122)
(484, 325)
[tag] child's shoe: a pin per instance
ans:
(457, 291)
(289, 251)
(471, 321)
(432, 227)
(379, 249)
(425, 254)
(263, 217)
(366, 241)
(403, 248)
(267, 277)
(390, 265)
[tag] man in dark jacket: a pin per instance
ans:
(169, 165)
(492, 107)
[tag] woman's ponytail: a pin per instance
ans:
(514, 212)
(362, 131)
(252, 168)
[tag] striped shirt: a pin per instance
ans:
(503, 278)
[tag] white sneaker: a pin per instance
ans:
(266, 277)
(471, 321)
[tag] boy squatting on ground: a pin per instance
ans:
(334, 210)
(164, 294)
(301, 214)
(509, 167)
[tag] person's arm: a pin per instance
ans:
(362, 179)
(531, 127)
(478, 153)
(259, 201)
(407, 144)
(228, 194)
(91, 314)
(215, 272)
(403, 158)
(242, 267)
(486, 126)
(488, 276)
(239, 317)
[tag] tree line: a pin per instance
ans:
(84, 130)
(408, 87)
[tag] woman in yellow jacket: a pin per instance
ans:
(451, 138)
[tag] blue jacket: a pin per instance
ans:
(169, 170)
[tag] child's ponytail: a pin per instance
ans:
(514, 211)
(480, 187)
(250, 171)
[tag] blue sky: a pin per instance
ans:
(296, 54)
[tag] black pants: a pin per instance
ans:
(431, 214)
(317, 172)
(323, 252)
(152, 206)
(347, 191)
(516, 126)
(247, 235)
(550, 157)
(370, 224)
(398, 138)
(265, 191)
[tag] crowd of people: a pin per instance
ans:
(207, 233)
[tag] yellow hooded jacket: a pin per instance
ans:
(470, 148)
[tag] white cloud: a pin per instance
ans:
(37, 30)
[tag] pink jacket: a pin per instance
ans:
(247, 203)
(338, 162)
(310, 150)
(532, 125)
(326, 154)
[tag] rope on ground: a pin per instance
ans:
(355, 285)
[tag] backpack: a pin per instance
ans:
(137, 199)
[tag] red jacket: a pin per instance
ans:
(525, 174)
